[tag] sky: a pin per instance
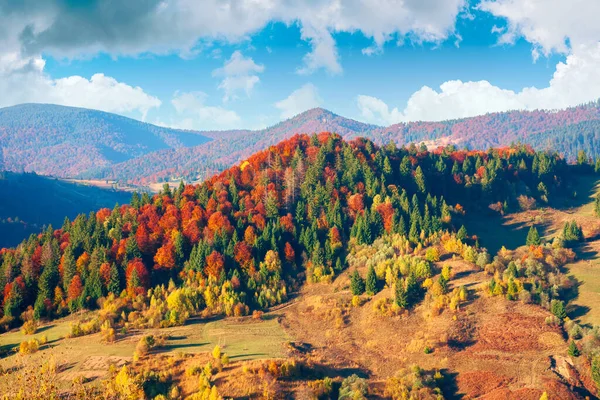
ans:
(228, 64)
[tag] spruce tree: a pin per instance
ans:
(573, 350)
(114, 284)
(413, 291)
(557, 307)
(371, 284)
(533, 237)
(401, 298)
(462, 233)
(357, 284)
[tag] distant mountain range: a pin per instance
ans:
(68, 142)
(74, 142)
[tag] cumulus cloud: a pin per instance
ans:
(24, 81)
(239, 74)
(551, 25)
(575, 81)
(194, 113)
(299, 100)
(60, 29)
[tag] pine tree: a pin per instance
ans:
(573, 350)
(371, 283)
(413, 291)
(557, 307)
(462, 233)
(114, 284)
(597, 203)
(357, 284)
(420, 179)
(69, 267)
(533, 237)
(401, 298)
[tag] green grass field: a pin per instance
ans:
(88, 356)
(240, 340)
(585, 308)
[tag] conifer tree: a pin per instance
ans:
(401, 298)
(413, 291)
(573, 350)
(462, 233)
(533, 237)
(557, 307)
(371, 284)
(357, 284)
(114, 284)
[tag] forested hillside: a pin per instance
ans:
(338, 224)
(67, 141)
(257, 230)
(28, 202)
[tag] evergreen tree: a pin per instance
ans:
(413, 291)
(597, 203)
(371, 283)
(533, 237)
(420, 180)
(462, 233)
(114, 284)
(573, 350)
(557, 307)
(401, 297)
(357, 284)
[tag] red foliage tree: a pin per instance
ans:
(214, 264)
(75, 288)
(290, 254)
(165, 256)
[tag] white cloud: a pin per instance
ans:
(24, 81)
(164, 26)
(299, 100)
(551, 25)
(575, 81)
(239, 74)
(193, 113)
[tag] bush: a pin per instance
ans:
(29, 327)
(29, 346)
(108, 332)
(321, 388)
(353, 388)
(84, 328)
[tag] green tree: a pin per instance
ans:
(114, 284)
(557, 307)
(413, 290)
(533, 237)
(462, 233)
(357, 284)
(371, 284)
(573, 350)
(401, 298)
(420, 180)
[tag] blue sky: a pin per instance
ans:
(431, 60)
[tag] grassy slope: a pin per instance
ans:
(243, 339)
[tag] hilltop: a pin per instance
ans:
(78, 143)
